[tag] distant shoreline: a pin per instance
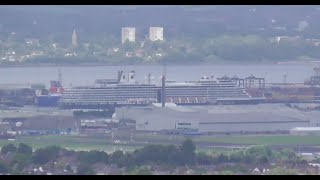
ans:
(150, 64)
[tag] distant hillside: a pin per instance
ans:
(193, 34)
(202, 21)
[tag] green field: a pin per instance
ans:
(267, 140)
(106, 144)
(70, 142)
(245, 140)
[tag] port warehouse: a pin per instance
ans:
(223, 119)
(31, 121)
(17, 94)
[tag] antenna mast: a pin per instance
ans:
(163, 89)
(165, 69)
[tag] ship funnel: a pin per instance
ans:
(120, 75)
(131, 76)
(123, 77)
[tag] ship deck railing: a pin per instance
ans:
(239, 99)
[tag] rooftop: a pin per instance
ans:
(306, 129)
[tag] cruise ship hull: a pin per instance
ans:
(47, 100)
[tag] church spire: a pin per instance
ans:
(74, 38)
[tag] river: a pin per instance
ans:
(79, 76)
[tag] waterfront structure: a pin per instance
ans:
(156, 33)
(128, 34)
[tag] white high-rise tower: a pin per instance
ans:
(156, 33)
(128, 34)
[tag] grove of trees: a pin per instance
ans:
(135, 162)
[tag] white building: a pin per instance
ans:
(156, 33)
(305, 131)
(128, 34)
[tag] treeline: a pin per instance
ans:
(23, 156)
(215, 49)
(238, 49)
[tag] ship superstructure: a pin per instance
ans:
(208, 90)
(110, 92)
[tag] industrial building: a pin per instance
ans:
(17, 94)
(128, 34)
(156, 33)
(216, 119)
(28, 120)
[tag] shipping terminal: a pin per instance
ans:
(126, 91)
(195, 106)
